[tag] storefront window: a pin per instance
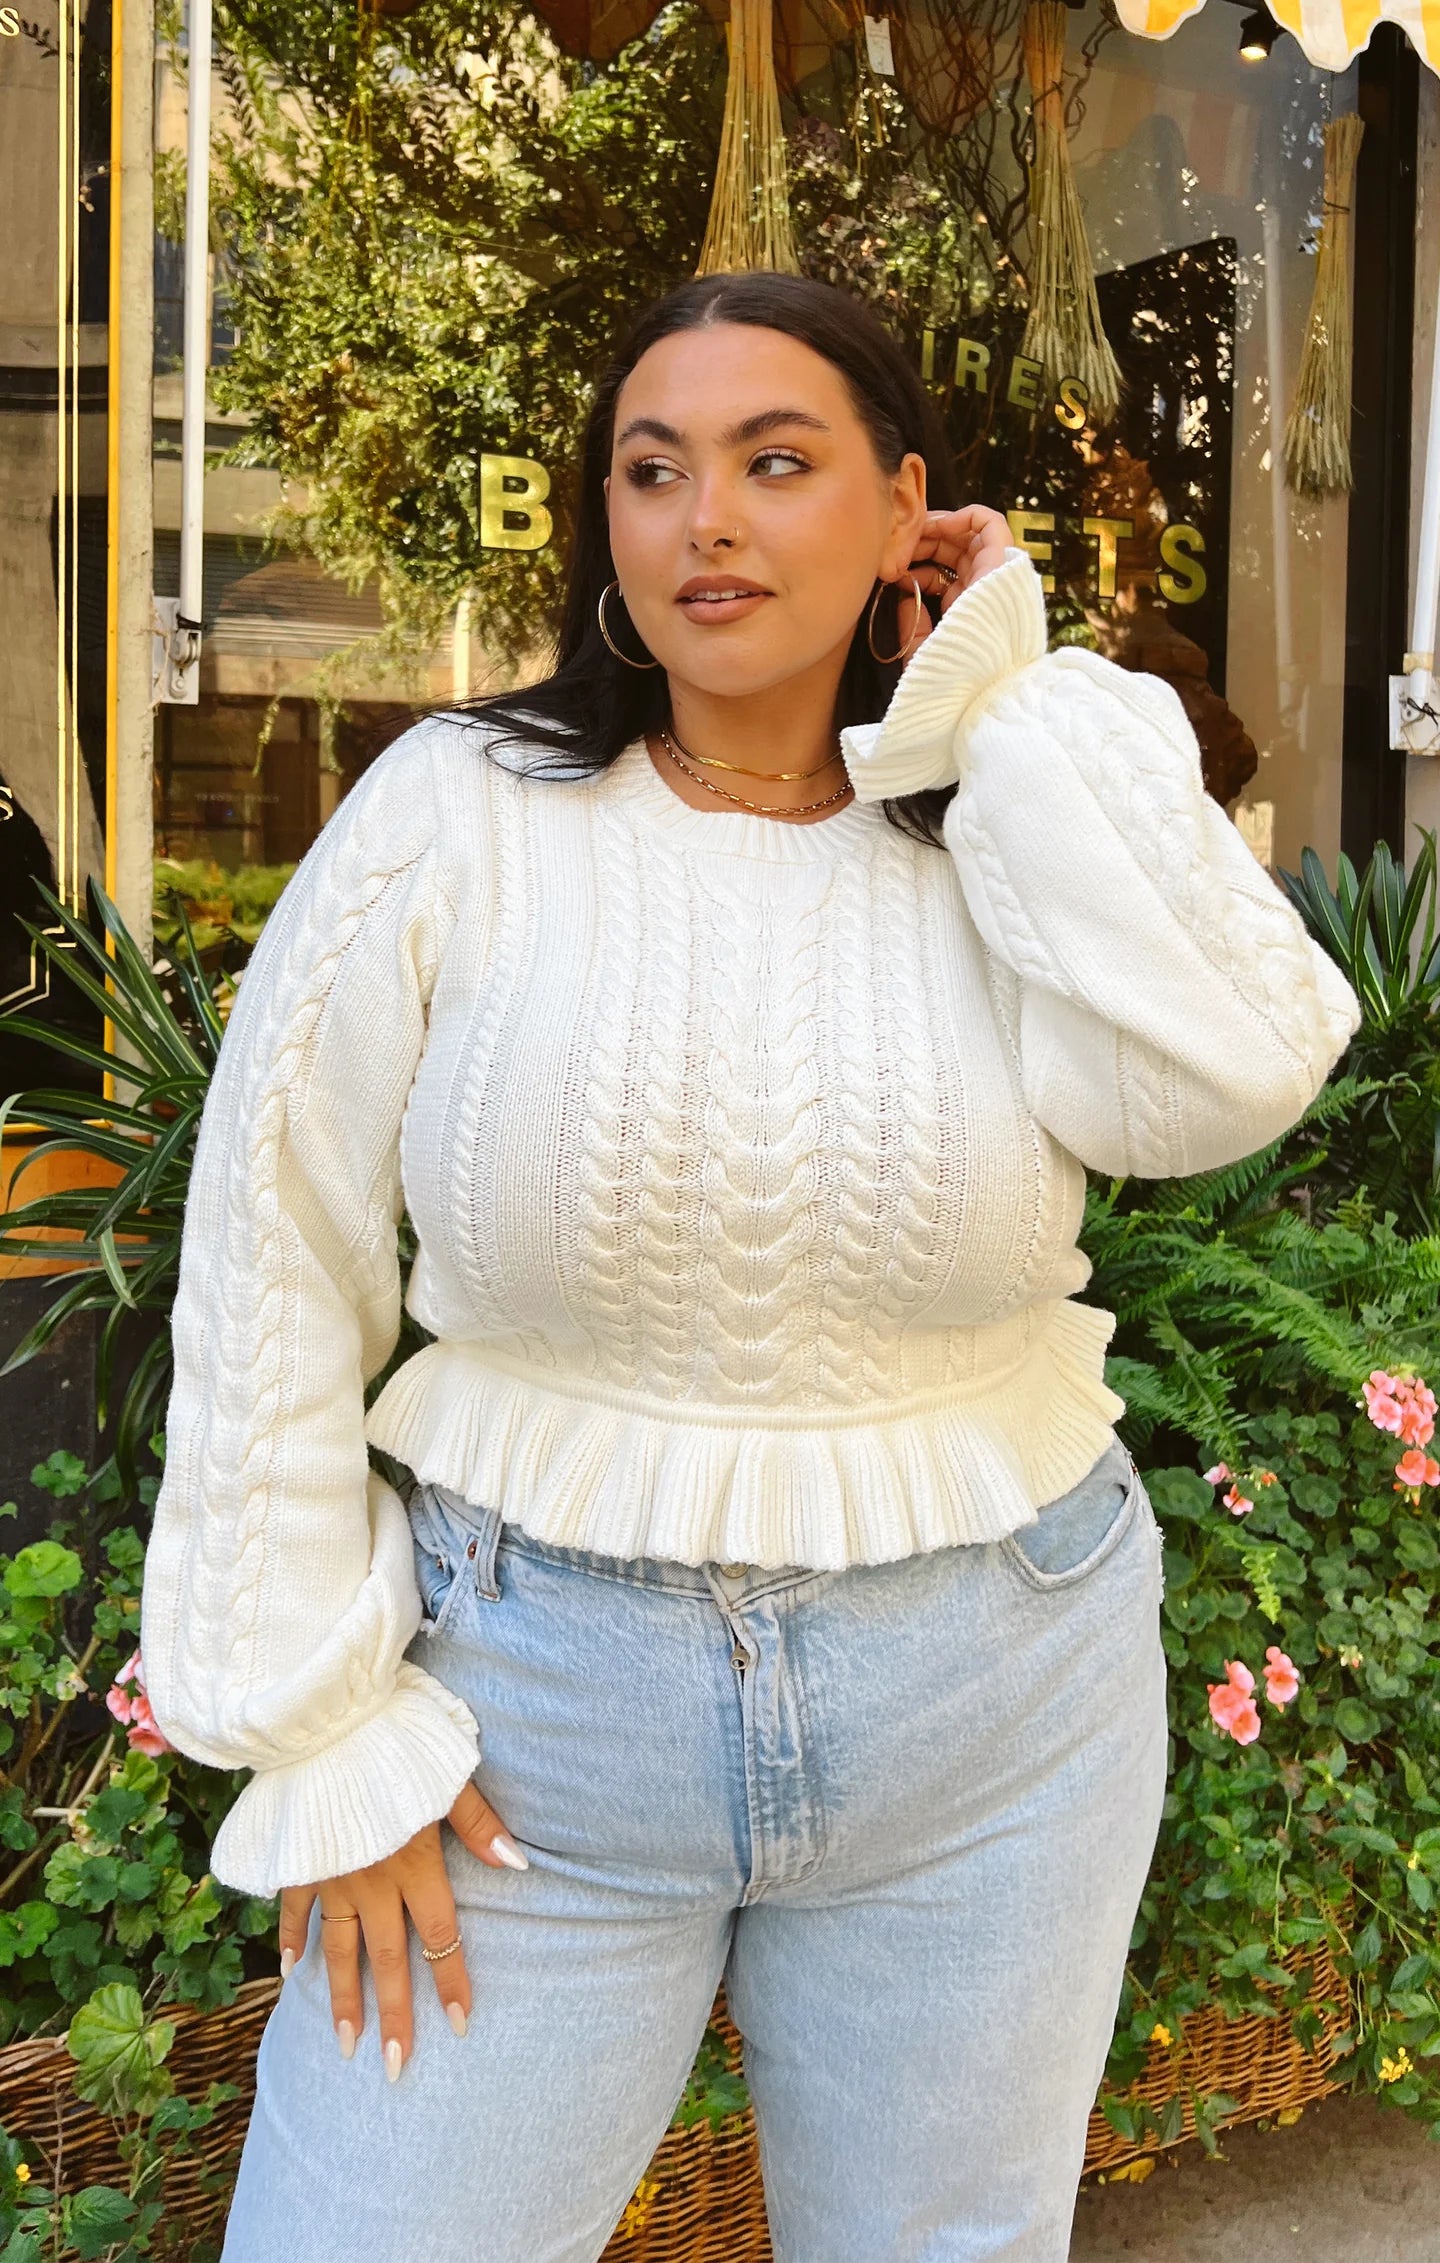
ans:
(1169, 537)
(1201, 175)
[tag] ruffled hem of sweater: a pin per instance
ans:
(699, 1484)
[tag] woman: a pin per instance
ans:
(772, 1549)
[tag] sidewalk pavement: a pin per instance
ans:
(1350, 2182)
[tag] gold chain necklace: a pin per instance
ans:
(713, 762)
(762, 809)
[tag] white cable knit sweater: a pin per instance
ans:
(745, 1161)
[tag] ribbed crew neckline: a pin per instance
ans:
(632, 777)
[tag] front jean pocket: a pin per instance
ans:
(1073, 1536)
(445, 1548)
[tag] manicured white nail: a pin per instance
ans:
(455, 2013)
(392, 2060)
(287, 1963)
(345, 2037)
(503, 1845)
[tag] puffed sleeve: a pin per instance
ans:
(279, 1591)
(1172, 1012)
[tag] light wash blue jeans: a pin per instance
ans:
(905, 1809)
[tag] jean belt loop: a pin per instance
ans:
(487, 1540)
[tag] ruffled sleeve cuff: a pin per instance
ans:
(993, 628)
(358, 1800)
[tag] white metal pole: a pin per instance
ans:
(1420, 659)
(197, 317)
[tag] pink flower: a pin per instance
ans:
(127, 1700)
(146, 1734)
(1416, 1469)
(1237, 1504)
(1381, 1399)
(1232, 1703)
(1404, 1406)
(1219, 1475)
(1282, 1679)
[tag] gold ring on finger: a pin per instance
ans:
(946, 573)
(433, 1956)
(340, 1917)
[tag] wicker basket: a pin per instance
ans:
(702, 2200)
(38, 2102)
(1255, 2060)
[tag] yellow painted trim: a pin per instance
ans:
(113, 330)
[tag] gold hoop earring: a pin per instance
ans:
(887, 660)
(609, 639)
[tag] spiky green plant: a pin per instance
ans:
(1383, 931)
(122, 1241)
(121, 1244)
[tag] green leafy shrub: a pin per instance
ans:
(106, 1881)
(1253, 1306)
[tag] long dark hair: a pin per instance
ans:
(592, 705)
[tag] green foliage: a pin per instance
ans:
(119, 2054)
(1384, 932)
(219, 908)
(713, 2091)
(107, 1907)
(101, 2223)
(105, 1882)
(1252, 1304)
(124, 1237)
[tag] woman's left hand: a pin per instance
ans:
(970, 542)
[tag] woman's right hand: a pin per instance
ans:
(373, 1904)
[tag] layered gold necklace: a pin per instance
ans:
(675, 748)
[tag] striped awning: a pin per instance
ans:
(1331, 32)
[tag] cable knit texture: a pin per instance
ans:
(745, 1160)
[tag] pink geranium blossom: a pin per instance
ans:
(1382, 1402)
(1219, 1475)
(1232, 1703)
(1417, 1416)
(1405, 1406)
(1416, 1469)
(1237, 1503)
(1282, 1679)
(128, 1701)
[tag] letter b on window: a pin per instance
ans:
(512, 503)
